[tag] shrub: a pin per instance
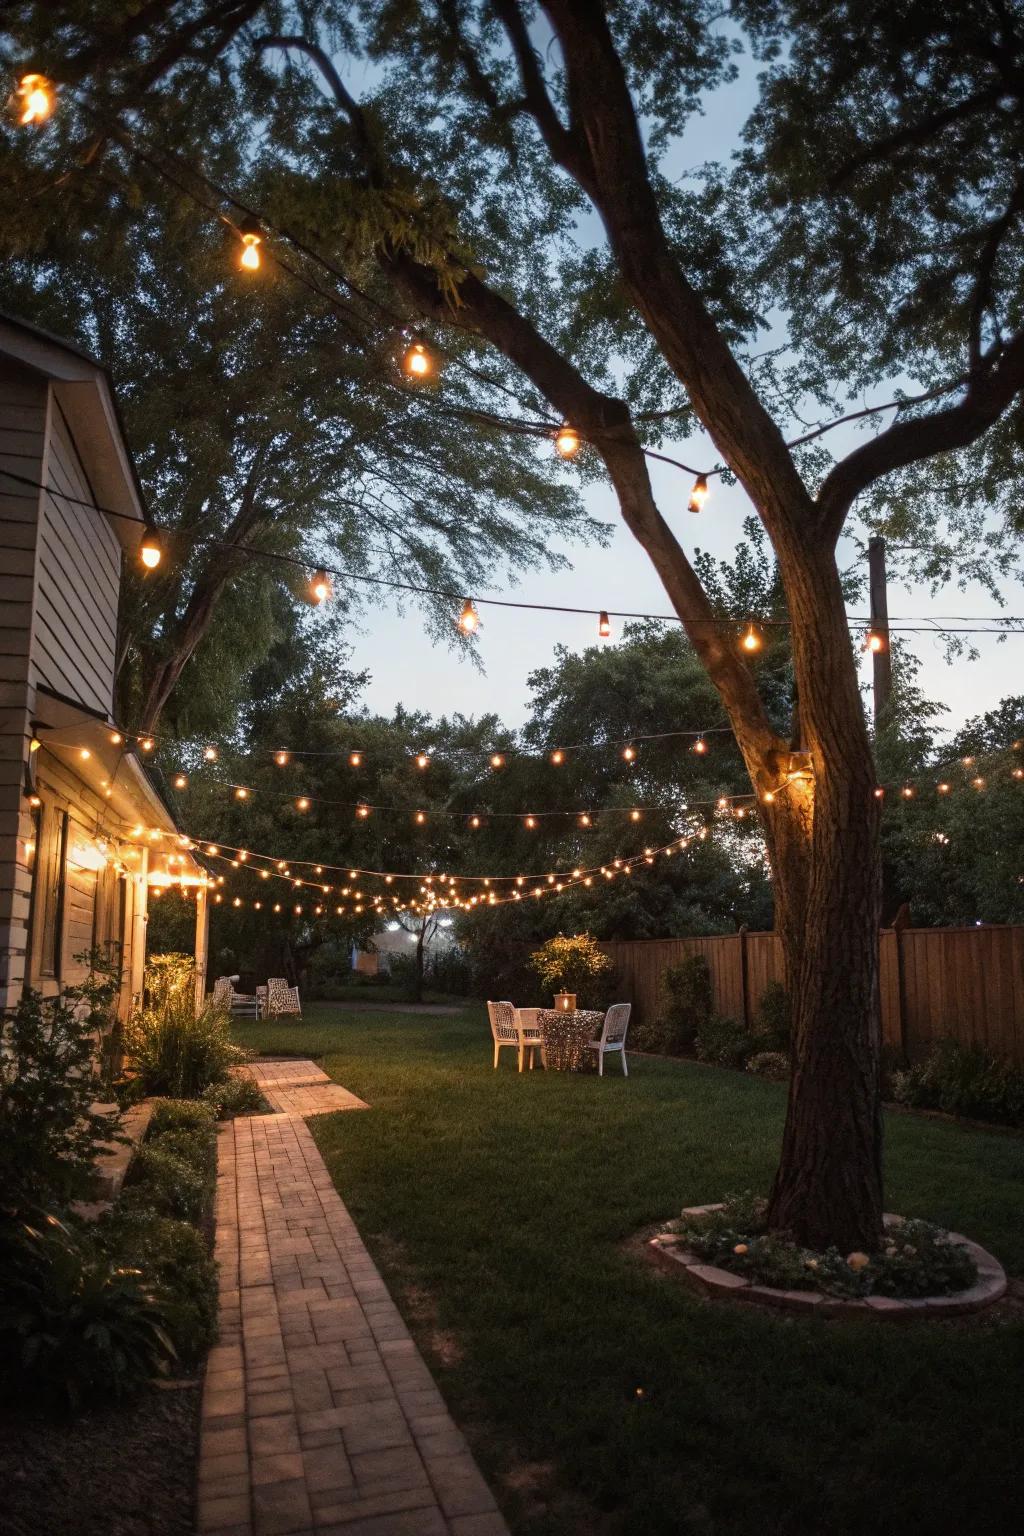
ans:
(574, 964)
(176, 1264)
(162, 1182)
(195, 1148)
(49, 1134)
(915, 1259)
(180, 1115)
(685, 1004)
(178, 1051)
(234, 1096)
(73, 1321)
(963, 1080)
(773, 1065)
(169, 976)
(772, 1027)
(723, 1042)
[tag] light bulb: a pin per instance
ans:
(698, 495)
(354, 759)
(181, 781)
(700, 746)
(875, 642)
(302, 803)
(751, 640)
(116, 738)
(422, 760)
(35, 93)
(151, 549)
(558, 756)
(210, 754)
(146, 744)
(469, 619)
(252, 239)
(604, 627)
(421, 817)
(362, 811)
(320, 589)
(280, 758)
(530, 821)
(497, 760)
(634, 815)
(241, 793)
(474, 822)
(628, 753)
(418, 362)
(567, 441)
(584, 819)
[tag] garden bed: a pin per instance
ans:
(671, 1251)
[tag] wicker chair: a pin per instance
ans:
(261, 1002)
(223, 991)
(281, 998)
(531, 1037)
(504, 1029)
(613, 1036)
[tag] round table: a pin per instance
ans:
(567, 1034)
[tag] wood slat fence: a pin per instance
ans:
(965, 983)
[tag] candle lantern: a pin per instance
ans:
(565, 1002)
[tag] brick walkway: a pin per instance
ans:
(300, 1088)
(319, 1415)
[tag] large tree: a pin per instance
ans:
(878, 214)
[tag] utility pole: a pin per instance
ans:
(881, 655)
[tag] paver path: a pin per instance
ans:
(300, 1088)
(319, 1415)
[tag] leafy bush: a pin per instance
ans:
(176, 1264)
(685, 1003)
(178, 1051)
(773, 1065)
(49, 1133)
(234, 1096)
(180, 1115)
(574, 964)
(773, 1025)
(169, 976)
(963, 1080)
(915, 1259)
(160, 1181)
(723, 1042)
(73, 1321)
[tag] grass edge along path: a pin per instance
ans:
(501, 1210)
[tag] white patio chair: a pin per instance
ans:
(261, 1002)
(531, 1037)
(504, 1029)
(613, 1036)
(223, 990)
(281, 998)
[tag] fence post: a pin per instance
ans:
(744, 977)
(899, 922)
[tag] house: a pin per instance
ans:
(83, 831)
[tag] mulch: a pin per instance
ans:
(124, 1470)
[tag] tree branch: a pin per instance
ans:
(567, 146)
(907, 442)
(913, 134)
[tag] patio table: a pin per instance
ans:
(567, 1034)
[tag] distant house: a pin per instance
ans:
(83, 832)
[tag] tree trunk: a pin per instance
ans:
(827, 869)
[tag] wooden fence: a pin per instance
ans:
(965, 983)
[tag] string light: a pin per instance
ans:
(558, 757)
(417, 363)
(567, 441)
(629, 753)
(421, 817)
(604, 627)
(210, 754)
(181, 781)
(241, 793)
(320, 588)
(497, 760)
(355, 759)
(698, 494)
(252, 239)
(151, 549)
(751, 640)
(700, 746)
(422, 760)
(362, 811)
(302, 803)
(875, 642)
(469, 619)
(146, 743)
(36, 95)
(281, 758)
(116, 738)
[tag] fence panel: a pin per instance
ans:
(934, 983)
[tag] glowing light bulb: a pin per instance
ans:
(530, 821)
(634, 815)
(422, 760)
(280, 758)
(146, 744)
(418, 362)
(181, 781)
(629, 753)
(320, 588)
(302, 803)
(497, 760)
(35, 93)
(241, 793)
(474, 822)
(700, 746)
(604, 626)
(698, 495)
(875, 642)
(558, 756)
(151, 549)
(751, 640)
(85, 754)
(252, 239)
(943, 789)
(584, 819)
(362, 811)
(567, 441)
(469, 619)
(420, 818)
(354, 759)
(210, 754)
(116, 738)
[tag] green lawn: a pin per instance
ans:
(500, 1207)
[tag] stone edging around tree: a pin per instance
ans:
(668, 1251)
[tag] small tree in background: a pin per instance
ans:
(574, 964)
